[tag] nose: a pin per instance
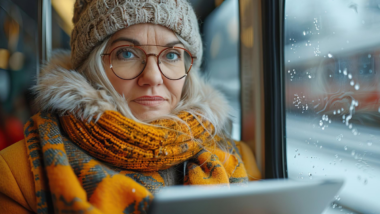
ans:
(151, 76)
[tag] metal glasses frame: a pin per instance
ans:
(148, 55)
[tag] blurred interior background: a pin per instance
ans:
(18, 64)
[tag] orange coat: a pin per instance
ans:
(17, 194)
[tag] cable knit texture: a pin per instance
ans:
(95, 20)
(127, 144)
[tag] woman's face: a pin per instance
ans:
(150, 95)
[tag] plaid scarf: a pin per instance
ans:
(113, 165)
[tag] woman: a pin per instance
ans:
(122, 116)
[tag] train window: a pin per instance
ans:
(332, 93)
(221, 60)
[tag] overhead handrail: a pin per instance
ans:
(45, 32)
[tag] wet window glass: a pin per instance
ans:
(221, 57)
(332, 75)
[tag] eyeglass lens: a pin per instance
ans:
(129, 62)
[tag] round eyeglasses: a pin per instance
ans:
(128, 61)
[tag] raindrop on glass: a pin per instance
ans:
(357, 87)
(345, 71)
(309, 77)
(352, 83)
(369, 55)
(345, 148)
(349, 76)
(354, 131)
(330, 55)
(369, 143)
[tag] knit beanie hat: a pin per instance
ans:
(96, 20)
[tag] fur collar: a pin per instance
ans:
(64, 90)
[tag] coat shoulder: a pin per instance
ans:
(17, 191)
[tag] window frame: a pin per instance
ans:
(274, 88)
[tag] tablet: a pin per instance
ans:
(261, 197)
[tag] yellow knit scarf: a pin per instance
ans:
(114, 165)
(127, 144)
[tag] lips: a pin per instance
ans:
(149, 100)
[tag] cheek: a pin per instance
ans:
(122, 87)
(175, 88)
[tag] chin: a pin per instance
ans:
(150, 115)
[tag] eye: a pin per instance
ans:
(172, 56)
(127, 55)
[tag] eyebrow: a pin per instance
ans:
(135, 42)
